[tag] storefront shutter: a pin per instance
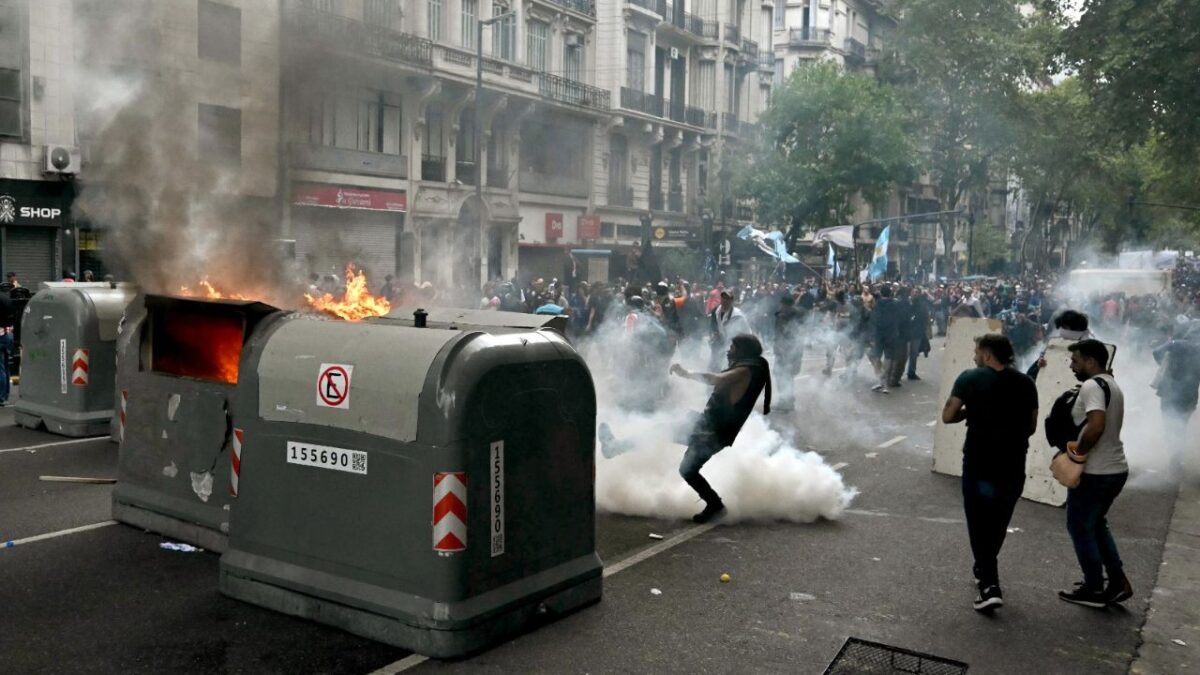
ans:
(29, 251)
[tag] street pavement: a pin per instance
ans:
(894, 569)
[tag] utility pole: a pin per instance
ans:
(477, 122)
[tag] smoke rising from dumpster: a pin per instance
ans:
(763, 476)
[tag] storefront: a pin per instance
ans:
(35, 217)
(334, 225)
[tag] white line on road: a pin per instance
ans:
(890, 443)
(414, 660)
(839, 466)
(932, 424)
(55, 444)
(51, 535)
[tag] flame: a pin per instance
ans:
(198, 344)
(357, 303)
(209, 292)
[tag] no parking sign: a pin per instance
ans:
(333, 385)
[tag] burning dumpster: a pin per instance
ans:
(179, 364)
(427, 488)
(69, 357)
(488, 321)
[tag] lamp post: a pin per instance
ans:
(476, 119)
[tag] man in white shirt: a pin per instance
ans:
(1100, 409)
(726, 322)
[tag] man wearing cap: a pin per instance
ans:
(726, 322)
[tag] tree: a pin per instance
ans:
(960, 65)
(827, 137)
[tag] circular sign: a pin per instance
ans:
(660, 233)
(333, 386)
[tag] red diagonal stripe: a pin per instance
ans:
(449, 543)
(237, 463)
(79, 380)
(449, 504)
(80, 364)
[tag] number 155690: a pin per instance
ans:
(325, 457)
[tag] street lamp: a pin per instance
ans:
(476, 119)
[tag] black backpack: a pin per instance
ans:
(1060, 425)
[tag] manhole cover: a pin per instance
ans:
(860, 657)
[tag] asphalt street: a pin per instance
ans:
(894, 569)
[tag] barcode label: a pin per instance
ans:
(497, 507)
(325, 457)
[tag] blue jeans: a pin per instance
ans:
(701, 448)
(6, 349)
(1087, 506)
(988, 505)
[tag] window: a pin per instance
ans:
(778, 79)
(504, 34)
(635, 62)
(465, 142)
(10, 102)
(704, 92)
(730, 90)
(435, 145)
(535, 52)
(219, 32)
(573, 57)
(220, 134)
(556, 149)
(363, 120)
(434, 20)
(470, 11)
(618, 160)
(780, 15)
(330, 6)
(381, 13)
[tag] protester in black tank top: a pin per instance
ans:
(735, 390)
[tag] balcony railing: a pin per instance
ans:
(694, 25)
(433, 167)
(697, 117)
(465, 172)
(587, 7)
(619, 195)
(648, 5)
(566, 90)
(676, 110)
(813, 36)
(675, 201)
(733, 34)
(709, 30)
(729, 122)
(766, 60)
(345, 33)
(633, 99)
(750, 49)
(497, 177)
(856, 49)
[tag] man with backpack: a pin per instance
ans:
(999, 404)
(1099, 412)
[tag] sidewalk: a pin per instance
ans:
(1174, 613)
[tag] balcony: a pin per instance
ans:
(342, 33)
(855, 50)
(709, 30)
(676, 110)
(766, 61)
(656, 200)
(815, 37)
(497, 177)
(640, 101)
(733, 34)
(648, 5)
(566, 90)
(340, 160)
(433, 168)
(698, 117)
(587, 7)
(619, 195)
(750, 49)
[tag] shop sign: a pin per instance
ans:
(554, 226)
(589, 227)
(338, 197)
(31, 203)
(675, 234)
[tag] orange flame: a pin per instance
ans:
(209, 292)
(356, 304)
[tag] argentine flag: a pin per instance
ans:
(879, 261)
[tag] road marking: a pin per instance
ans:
(51, 535)
(55, 444)
(932, 424)
(414, 660)
(839, 465)
(890, 443)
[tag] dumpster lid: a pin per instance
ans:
(108, 299)
(445, 317)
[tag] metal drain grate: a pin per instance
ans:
(860, 657)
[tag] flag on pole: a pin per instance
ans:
(879, 261)
(832, 262)
(841, 235)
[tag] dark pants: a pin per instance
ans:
(989, 505)
(701, 448)
(914, 351)
(1087, 508)
(894, 362)
(6, 349)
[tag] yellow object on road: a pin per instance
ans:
(725, 578)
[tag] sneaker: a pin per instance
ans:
(1118, 590)
(914, 377)
(710, 512)
(989, 598)
(1082, 595)
(878, 387)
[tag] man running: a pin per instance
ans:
(735, 390)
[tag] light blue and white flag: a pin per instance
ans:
(879, 261)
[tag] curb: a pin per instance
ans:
(1174, 611)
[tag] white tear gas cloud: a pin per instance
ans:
(763, 476)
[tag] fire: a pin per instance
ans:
(199, 344)
(208, 291)
(357, 303)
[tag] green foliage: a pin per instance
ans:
(989, 247)
(686, 263)
(827, 136)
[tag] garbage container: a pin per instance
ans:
(488, 321)
(179, 364)
(69, 357)
(431, 489)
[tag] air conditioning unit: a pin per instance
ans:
(62, 159)
(574, 40)
(674, 53)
